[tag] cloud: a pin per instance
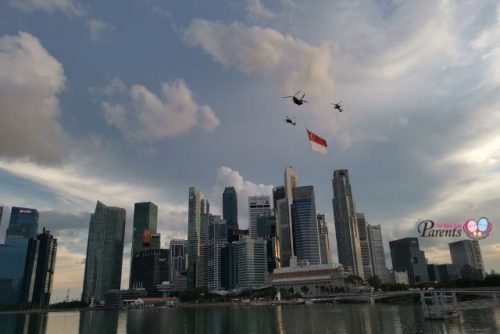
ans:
(145, 117)
(291, 62)
(30, 83)
(68, 6)
(227, 177)
(99, 30)
(257, 10)
(488, 44)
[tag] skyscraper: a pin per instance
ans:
(377, 254)
(39, 269)
(266, 229)
(250, 257)
(407, 256)
(217, 239)
(145, 227)
(178, 258)
(305, 225)
(23, 226)
(103, 264)
(324, 240)
(346, 226)
(291, 181)
(198, 206)
(151, 267)
(230, 211)
(467, 253)
(145, 221)
(256, 206)
(365, 248)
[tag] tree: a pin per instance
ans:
(375, 282)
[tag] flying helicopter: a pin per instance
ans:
(337, 106)
(295, 99)
(290, 121)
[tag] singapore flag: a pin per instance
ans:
(317, 143)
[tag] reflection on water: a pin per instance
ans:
(25, 323)
(340, 318)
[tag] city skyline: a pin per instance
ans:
(191, 94)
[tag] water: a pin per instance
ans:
(341, 318)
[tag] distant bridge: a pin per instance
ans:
(372, 297)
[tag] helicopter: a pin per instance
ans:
(295, 99)
(288, 120)
(337, 106)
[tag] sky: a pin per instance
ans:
(137, 101)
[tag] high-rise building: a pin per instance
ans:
(305, 226)
(256, 206)
(285, 231)
(291, 181)
(266, 229)
(144, 234)
(103, 264)
(324, 240)
(467, 253)
(152, 267)
(23, 226)
(39, 269)
(377, 254)
(230, 211)
(346, 226)
(364, 244)
(229, 275)
(407, 256)
(178, 258)
(198, 206)
(217, 239)
(250, 256)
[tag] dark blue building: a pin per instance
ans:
(230, 211)
(23, 226)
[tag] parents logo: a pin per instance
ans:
(478, 230)
(429, 228)
(474, 230)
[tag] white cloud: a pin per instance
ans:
(146, 117)
(30, 82)
(98, 29)
(257, 10)
(227, 177)
(488, 43)
(291, 62)
(68, 6)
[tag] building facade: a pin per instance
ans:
(257, 205)
(198, 206)
(364, 244)
(324, 240)
(407, 256)
(103, 264)
(144, 233)
(346, 226)
(250, 256)
(152, 267)
(23, 225)
(39, 269)
(377, 254)
(178, 258)
(467, 252)
(230, 211)
(305, 226)
(217, 240)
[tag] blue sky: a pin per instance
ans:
(137, 101)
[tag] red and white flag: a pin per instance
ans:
(317, 143)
